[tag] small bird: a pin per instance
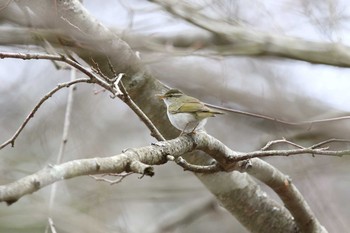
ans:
(186, 113)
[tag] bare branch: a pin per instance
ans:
(329, 141)
(114, 89)
(51, 226)
(239, 41)
(300, 123)
(123, 94)
(289, 194)
(135, 160)
(38, 105)
(71, 62)
(137, 110)
(121, 177)
(310, 150)
(127, 62)
(263, 171)
(62, 58)
(140, 161)
(67, 118)
(197, 168)
(271, 143)
(132, 160)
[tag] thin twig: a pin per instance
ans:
(116, 85)
(267, 153)
(125, 97)
(301, 123)
(38, 105)
(111, 182)
(271, 143)
(35, 56)
(329, 141)
(198, 168)
(93, 79)
(51, 226)
(67, 118)
(97, 70)
(110, 88)
(121, 92)
(66, 125)
(114, 89)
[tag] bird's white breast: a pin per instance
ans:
(186, 122)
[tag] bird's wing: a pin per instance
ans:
(192, 106)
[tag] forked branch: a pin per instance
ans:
(114, 86)
(140, 160)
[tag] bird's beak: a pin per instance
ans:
(160, 96)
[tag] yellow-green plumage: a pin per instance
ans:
(186, 113)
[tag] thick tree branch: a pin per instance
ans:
(226, 157)
(140, 161)
(289, 194)
(238, 42)
(232, 40)
(132, 160)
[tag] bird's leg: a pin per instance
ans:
(193, 131)
(182, 132)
